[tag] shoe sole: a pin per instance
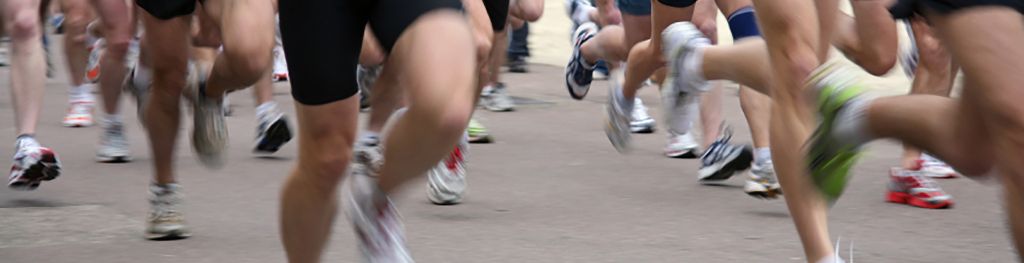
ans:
(277, 135)
(764, 193)
(904, 198)
(481, 139)
(684, 154)
(113, 159)
(46, 169)
(642, 130)
(176, 234)
(736, 162)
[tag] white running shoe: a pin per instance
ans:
(113, 145)
(762, 182)
(166, 222)
(616, 122)
(33, 164)
(80, 113)
(683, 46)
(640, 121)
(935, 168)
(209, 133)
(681, 146)
(495, 98)
(376, 222)
(447, 180)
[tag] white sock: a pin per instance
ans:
(582, 14)
(683, 115)
(109, 119)
(80, 93)
(627, 105)
(266, 108)
(762, 155)
(25, 140)
(851, 123)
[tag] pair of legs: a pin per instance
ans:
(439, 104)
(981, 131)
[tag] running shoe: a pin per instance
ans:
(113, 144)
(574, 9)
(495, 98)
(477, 132)
(935, 168)
(916, 189)
(517, 65)
(617, 119)
(280, 71)
(447, 180)
(272, 132)
(79, 113)
(33, 164)
(723, 159)
(376, 222)
(209, 133)
(640, 121)
(683, 45)
(166, 221)
(762, 182)
(579, 74)
(681, 146)
(366, 77)
(601, 70)
(92, 66)
(830, 160)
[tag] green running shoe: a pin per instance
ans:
(478, 133)
(829, 159)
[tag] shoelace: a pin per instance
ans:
(718, 148)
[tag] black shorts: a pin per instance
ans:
(167, 9)
(497, 11)
(322, 40)
(678, 3)
(907, 8)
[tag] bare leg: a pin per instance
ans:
(711, 113)
(440, 100)
(757, 108)
(608, 44)
(246, 35)
(167, 41)
(77, 15)
(646, 56)
(869, 39)
(117, 28)
(792, 33)
(529, 10)
(386, 99)
(28, 67)
(934, 75)
(636, 29)
(263, 90)
(745, 62)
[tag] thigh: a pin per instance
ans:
(243, 22)
(322, 40)
(167, 44)
(666, 12)
(637, 28)
(116, 17)
(390, 18)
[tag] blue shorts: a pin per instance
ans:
(634, 7)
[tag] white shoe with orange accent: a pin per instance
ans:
(79, 114)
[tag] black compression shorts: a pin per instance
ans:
(322, 40)
(907, 8)
(678, 3)
(497, 11)
(167, 9)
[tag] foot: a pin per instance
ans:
(640, 121)
(280, 71)
(113, 145)
(935, 168)
(578, 73)
(495, 98)
(80, 113)
(517, 65)
(272, 132)
(722, 159)
(166, 222)
(478, 133)
(33, 164)
(447, 181)
(916, 189)
(209, 133)
(830, 159)
(683, 46)
(617, 119)
(762, 182)
(366, 77)
(681, 146)
(377, 224)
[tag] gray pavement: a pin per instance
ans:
(551, 189)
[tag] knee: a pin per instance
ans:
(249, 61)
(329, 164)
(116, 47)
(530, 12)
(483, 49)
(25, 26)
(879, 65)
(169, 76)
(75, 24)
